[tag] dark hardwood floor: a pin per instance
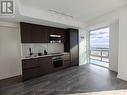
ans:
(87, 78)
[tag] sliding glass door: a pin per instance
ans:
(99, 47)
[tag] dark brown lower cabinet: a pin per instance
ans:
(30, 68)
(36, 67)
(66, 60)
(31, 73)
(67, 64)
(45, 65)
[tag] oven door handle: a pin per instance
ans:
(57, 59)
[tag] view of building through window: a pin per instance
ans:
(99, 47)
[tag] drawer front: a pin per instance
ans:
(31, 63)
(67, 64)
(31, 73)
(66, 57)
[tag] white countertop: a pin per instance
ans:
(48, 55)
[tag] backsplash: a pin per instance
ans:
(39, 48)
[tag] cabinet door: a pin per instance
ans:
(67, 41)
(32, 33)
(63, 35)
(30, 68)
(25, 33)
(74, 47)
(31, 73)
(38, 34)
(67, 64)
(66, 59)
(45, 65)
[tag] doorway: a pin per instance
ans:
(99, 47)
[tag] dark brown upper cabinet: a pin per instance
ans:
(38, 34)
(32, 33)
(56, 31)
(25, 32)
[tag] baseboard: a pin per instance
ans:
(113, 70)
(122, 77)
(10, 81)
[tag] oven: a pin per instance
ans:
(57, 61)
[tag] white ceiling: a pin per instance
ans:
(83, 10)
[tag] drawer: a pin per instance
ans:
(67, 64)
(66, 57)
(31, 73)
(30, 63)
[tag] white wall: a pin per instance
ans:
(113, 45)
(122, 62)
(10, 60)
(83, 48)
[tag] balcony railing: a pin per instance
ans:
(99, 55)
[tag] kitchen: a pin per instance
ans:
(46, 49)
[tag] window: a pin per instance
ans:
(99, 47)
